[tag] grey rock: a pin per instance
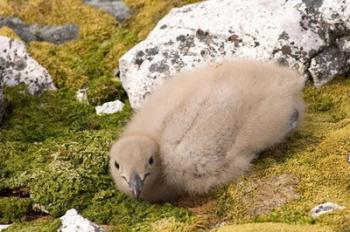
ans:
(117, 8)
(57, 34)
(307, 35)
(329, 63)
(18, 67)
(52, 34)
(343, 44)
(110, 107)
(313, 3)
(40, 208)
(325, 208)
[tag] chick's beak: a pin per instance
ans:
(135, 184)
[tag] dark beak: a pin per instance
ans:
(135, 184)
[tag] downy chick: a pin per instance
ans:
(204, 127)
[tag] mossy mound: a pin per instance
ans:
(53, 150)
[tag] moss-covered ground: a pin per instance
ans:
(53, 150)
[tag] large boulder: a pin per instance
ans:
(18, 67)
(309, 36)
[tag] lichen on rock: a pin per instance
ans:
(290, 33)
(18, 67)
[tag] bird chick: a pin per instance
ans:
(203, 128)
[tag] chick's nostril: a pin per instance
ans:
(124, 178)
(146, 175)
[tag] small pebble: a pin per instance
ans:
(72, 221)
(110, 107)
(40, 208)
(81, 95)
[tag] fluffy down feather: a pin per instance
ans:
(203, 128)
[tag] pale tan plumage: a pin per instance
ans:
(204, 127)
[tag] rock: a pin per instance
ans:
(2, 227)
(344, 44)
(1, 93)
(40, 208)
(73, 222)
(325, 208)
(19, 67)
(265, 195)
(52, 34)
(81, 95)
(110, 107)
(117, 8)
(329, 63)
(302, 34)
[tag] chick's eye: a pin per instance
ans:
(150, 161)
(116, 164)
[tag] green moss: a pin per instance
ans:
(105, 89)
(59, 153)
(286, 215)
(114, 208)
(73, 176)
(5, 31)
(274, 227)
(50, 145)
(13, 209)
(320, 103)
(43, 225)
